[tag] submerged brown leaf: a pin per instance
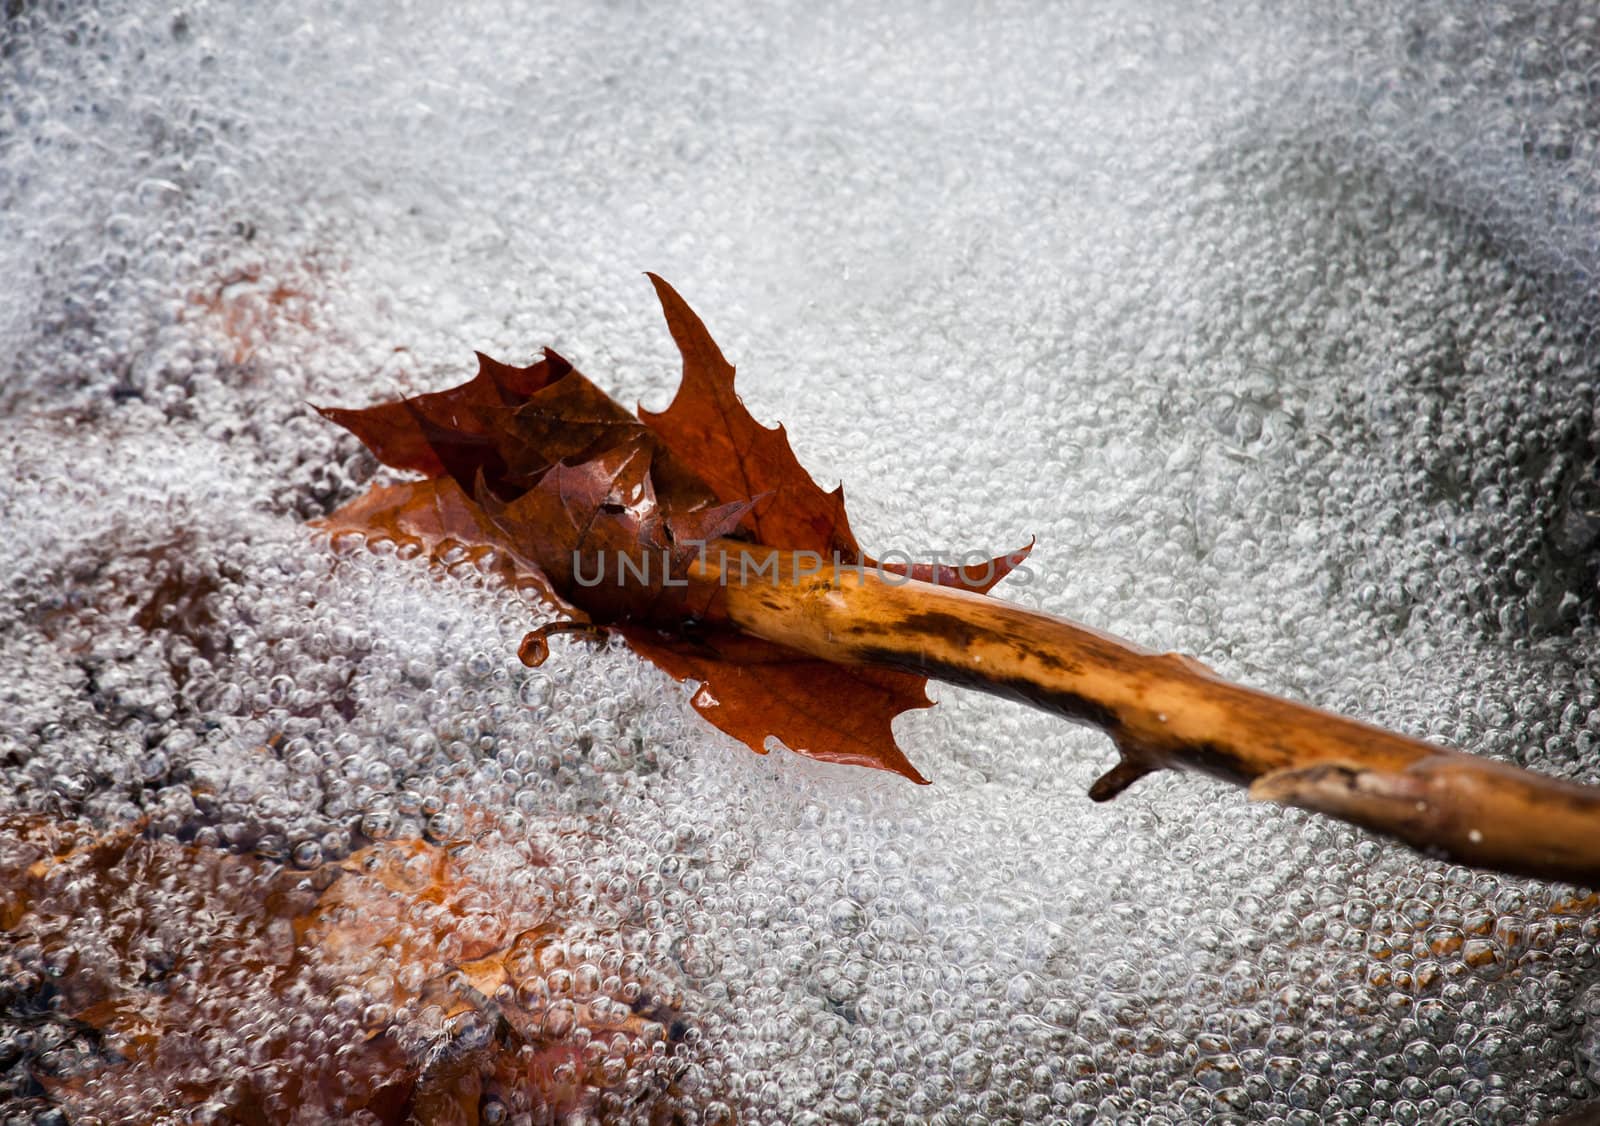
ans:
(435, 992)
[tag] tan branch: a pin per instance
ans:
(1164, 710)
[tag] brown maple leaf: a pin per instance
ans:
(573, 488)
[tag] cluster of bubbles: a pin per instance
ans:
(1279, 332)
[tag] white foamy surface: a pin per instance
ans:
(1278, 332)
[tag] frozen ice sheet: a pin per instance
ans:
(1278, 331)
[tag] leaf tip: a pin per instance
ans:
(688, 330)
(662, 287)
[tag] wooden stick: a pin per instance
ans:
(1164, 710)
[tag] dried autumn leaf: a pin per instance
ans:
(610, 510)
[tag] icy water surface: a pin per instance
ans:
(1278, 331)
